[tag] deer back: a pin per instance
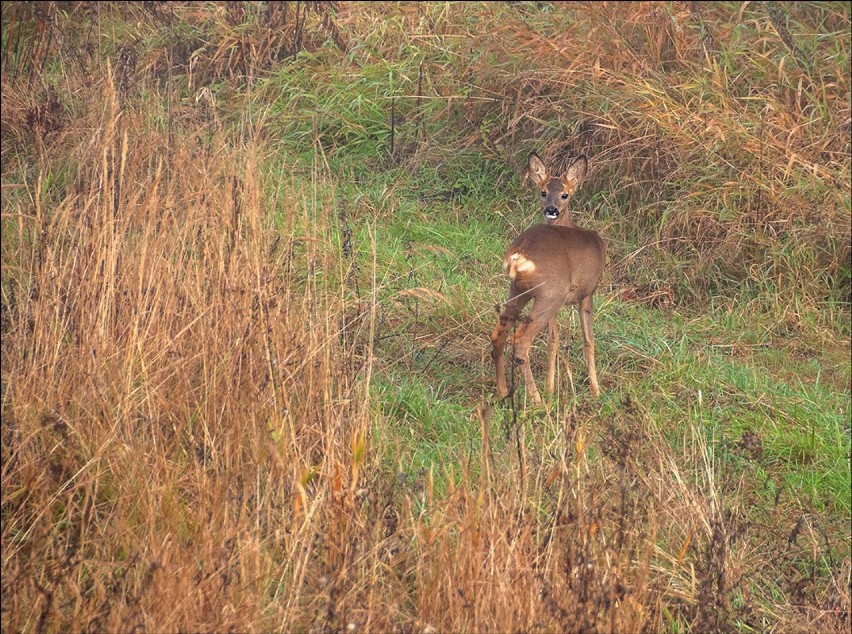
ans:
(564, 262)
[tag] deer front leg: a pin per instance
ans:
(586, 309)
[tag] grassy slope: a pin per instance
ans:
(722, 440)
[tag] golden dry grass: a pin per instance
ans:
(189, 422)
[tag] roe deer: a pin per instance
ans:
(554, 264)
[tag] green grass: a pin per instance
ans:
(727, 351)
(686, 368)
(341, 213)
(730, 366)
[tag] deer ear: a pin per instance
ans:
(576, 173)
(537, 170)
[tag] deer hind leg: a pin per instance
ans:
(505, 323)
(552, 348)
(540, 314)
(586, 309)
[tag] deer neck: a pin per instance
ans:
(564, 220)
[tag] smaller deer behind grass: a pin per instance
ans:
(550, 264)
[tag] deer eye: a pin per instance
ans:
(543, 194)
(564, 196)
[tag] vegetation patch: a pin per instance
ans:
(251, 259)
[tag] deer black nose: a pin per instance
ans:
(551, 212)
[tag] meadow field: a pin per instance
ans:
(251, 261)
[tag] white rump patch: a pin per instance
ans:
(517, 263)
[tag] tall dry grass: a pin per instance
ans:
(712, 136)
(187, 424)
(189, 434)
(173, 379)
